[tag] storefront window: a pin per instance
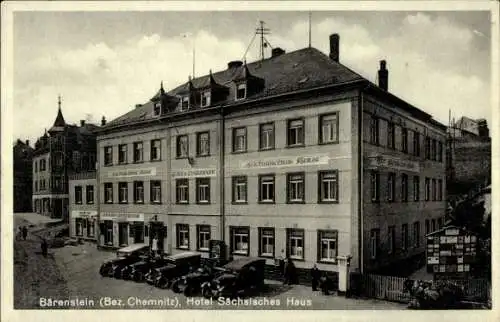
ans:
(203, 237)
(266, 242)
(91, 227)
(295, 243)
(240, 240)
(183, 236)
(79, 227)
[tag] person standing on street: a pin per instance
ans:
(315, 276)
(154, 246)
(25, 232)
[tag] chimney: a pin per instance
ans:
(82, 123)
(334, 47)
(383, 76)
(28, 142)
(277, 52)
(234, 64)
(103, 121)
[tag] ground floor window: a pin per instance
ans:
(182, 236)
(203, 232)
(106, 230)
(91, 227)
(123, 233)
(136, 232)
(240, 237)
(295, 243)
(327, 245)
(266, 242)
(79, 226)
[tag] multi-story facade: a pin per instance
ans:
(288, 156)
(83, 219)
(23, 176)
(64, 149)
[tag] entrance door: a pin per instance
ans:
(123, 233)
(138, 233)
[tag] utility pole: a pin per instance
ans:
(309, 29)
(261, 31)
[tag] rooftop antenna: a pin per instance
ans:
(310, 29)
(263, 41)
(59, 101)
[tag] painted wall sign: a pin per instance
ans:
(194, 173)
(132, 173)
(121, 216)
(285, 162)
(393, 163)
(83, 214)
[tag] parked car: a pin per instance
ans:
(124, 256)
(137, 271)
(190, 284)
(175, 266)
(239, 278)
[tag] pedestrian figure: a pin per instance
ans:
(315, 276)
(289, 271)
(285, 271)
(154, 246)
(25, 232)
(44, 246)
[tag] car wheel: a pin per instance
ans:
(163, 283)
(139, 277)
(104, 271)
(188, 290)
(206, 292)
(176, 286)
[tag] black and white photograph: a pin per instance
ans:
(289, 156)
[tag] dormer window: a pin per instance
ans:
(241, 91)
(184, 103)
(157, 109)
(205, 99)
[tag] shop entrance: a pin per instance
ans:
(158, 232)
(123, 234)
(137, 232)
(106, 231)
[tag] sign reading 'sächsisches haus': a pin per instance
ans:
(132, 173)
(285, 162)
(121, 216)
(194, 173)
(386, 161)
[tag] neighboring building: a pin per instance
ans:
(295, 155)
(23, 176)
(64, 149)
(468, 157)
(83, 205)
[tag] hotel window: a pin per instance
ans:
(155, 191)
(295, 187)
(240, 189)
(433, 189)
(416, 143)
(427, 189)
(374, 130)
(155, 150)
(182, 146)
(295, 132)
(374, 243)
(205, 99)
(239, 139)
(374, 186)
(428, 148)
(241, 91)
(416, 234)
(404, 140)
(434, 150)
(157, 109)
(108, 192)
(266, 242)
(416, 188)
(138, 152)
(329, 125)
(327, 246)
(182, 190)
(108, 156)
(139, 191)
(122, 153)
(203, 144)
(78, 194)
(295, 243)
(328, 186)
(184, 103)
(404, 236)
(440, 190)
(79, 226)
(182, 236)
(89, 191)
(392, 239)
(440, 151)
(266, 188)
(203, 190)
(203, 233)
(240, 240)
(404, 187)
(391, 139)
(123, 192)
(391, 186)
(427, 227)
(266, 136)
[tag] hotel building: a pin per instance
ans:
(83, 218)
(294, 155)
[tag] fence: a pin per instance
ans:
(390, 288)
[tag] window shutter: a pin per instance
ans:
(318, 245)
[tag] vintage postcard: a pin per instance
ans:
(253, 160)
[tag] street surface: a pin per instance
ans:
(72, 273)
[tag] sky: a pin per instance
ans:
(104, 63)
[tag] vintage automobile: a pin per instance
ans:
(175, 266)
(124, 257)
(137, 271)
(190, 284)
(239, 278)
